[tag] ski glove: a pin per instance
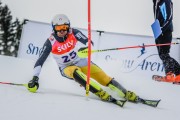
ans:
(83, 49)
(33, 84)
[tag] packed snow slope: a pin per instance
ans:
(61, 99)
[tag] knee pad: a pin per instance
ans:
(68, 71)
(81, 78)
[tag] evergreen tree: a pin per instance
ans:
(1, 8)
(18, 30)
(10, 32)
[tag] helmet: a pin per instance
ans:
(60, 19)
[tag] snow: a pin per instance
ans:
(61, 99)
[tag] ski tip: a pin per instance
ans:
(123, 102)
(117, 102)
(158, 102)
(152, 103)
(154, 77)
(120, 102)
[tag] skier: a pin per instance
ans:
(63, 44)
(163, 11)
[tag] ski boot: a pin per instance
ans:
(170, 77)
(131, 96)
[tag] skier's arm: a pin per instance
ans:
(81, 37)
(33, 84)
(42, 58)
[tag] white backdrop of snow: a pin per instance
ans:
(61, 99)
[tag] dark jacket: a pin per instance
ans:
(166, 19)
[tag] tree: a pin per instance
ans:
(18, 30)
(1, 8)
(10, 32)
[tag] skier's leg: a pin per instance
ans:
(68, 71)
(94, 87)
(115, 86)
(101, 77)
(129, 95)
(170, 64)
(97, 74)
(75, 73)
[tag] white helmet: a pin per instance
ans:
(60, 19)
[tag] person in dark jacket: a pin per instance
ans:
(163, 11)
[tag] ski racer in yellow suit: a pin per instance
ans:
(63, 44)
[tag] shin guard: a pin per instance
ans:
(94, 87)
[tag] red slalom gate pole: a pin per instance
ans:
(89, 48)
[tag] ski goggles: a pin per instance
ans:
(61, 27)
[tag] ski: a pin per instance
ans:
(117, 102)
(164, 79)
(158, 78)
(152, 103)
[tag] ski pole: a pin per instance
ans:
(84, 53)
(33, 90)
(8, 83)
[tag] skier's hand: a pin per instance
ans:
(83, 49)
(33, 84)
(83, 52)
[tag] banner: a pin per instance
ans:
(133, 60)
(33, 36)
